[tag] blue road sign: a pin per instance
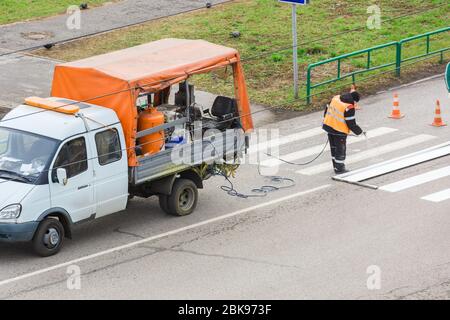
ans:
(301, 2)
(447, 77)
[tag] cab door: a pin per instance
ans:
(110, 165)
(77, 196)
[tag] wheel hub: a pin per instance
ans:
(51, 238)
(186, 199)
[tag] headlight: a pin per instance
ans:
(11, 212)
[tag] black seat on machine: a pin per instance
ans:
(223, 114)
(224, 107)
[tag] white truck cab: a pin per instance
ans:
(36, 183)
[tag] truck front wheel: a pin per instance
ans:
(48, 238)
(183, 199)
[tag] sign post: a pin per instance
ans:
(294, 39)
(295, 49)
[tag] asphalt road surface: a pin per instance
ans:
(320, 239)
(38, 32)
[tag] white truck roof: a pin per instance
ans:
(58, 125)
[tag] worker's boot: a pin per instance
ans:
(340, 171)
(339, 167)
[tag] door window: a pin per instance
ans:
(108, 146)
(4, 137)
(72, 157)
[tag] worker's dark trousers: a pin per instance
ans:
(338, 144)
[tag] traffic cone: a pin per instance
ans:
(353, 89)
(395, 114)
(437, 116)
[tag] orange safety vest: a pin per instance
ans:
(335, 118)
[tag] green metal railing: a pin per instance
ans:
(398, 45)
(427, 52)
(339, 75)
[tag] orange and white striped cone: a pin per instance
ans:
(437, 116)
(353, 89)
(396, 114)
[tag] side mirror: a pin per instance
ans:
(61, 175)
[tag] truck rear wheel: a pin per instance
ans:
(183, 199)
(48, 238)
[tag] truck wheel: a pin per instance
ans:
(48, 238)
(183, 199)
(163, 203)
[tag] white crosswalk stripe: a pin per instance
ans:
(264, 145)
(397, 186)
(438, 196)
(374, 152)
(417, 180)
(316, 149)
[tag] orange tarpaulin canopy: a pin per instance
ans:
(114, 80)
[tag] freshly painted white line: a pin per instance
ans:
(316, 149)
(417, 180)
(374, 152)
(162, 235)
(264, 145)
(398, 163)
(438, 196)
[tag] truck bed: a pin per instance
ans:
(161, 164)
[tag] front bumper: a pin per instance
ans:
(16, 232)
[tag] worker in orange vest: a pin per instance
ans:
(339, 120)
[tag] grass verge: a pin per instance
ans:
(265, 26)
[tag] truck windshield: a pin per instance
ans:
(23, 155)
